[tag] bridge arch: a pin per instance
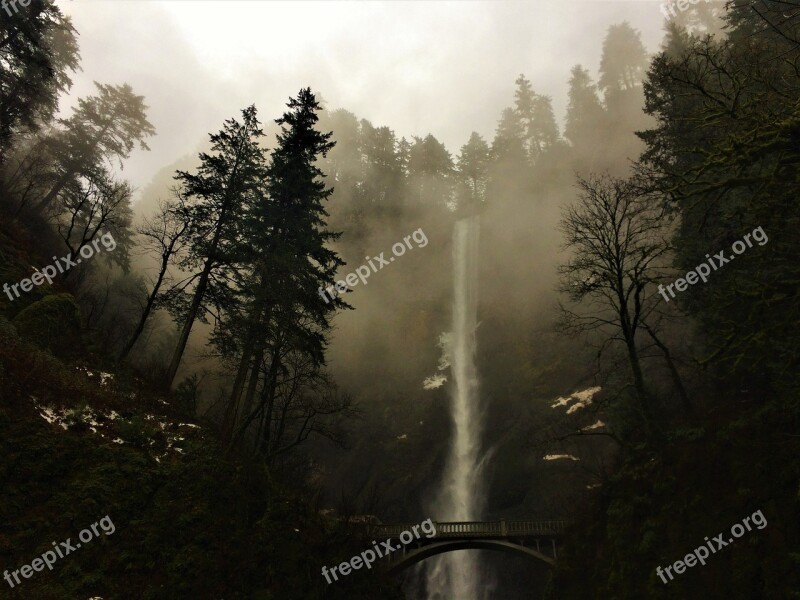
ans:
(416, 555)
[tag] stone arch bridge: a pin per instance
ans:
(538, 540)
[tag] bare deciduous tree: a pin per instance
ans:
(619, 243)
(165, 236)
(94, 204)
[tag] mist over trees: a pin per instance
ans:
(39, 50)
(266, 419)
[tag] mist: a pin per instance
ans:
(389, 263)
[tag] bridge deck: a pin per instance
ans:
(480, 529)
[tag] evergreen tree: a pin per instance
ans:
(624, 60)
(473, 171)
(622, 69)
(525, 109)
(725, 153)
(103, 128)
(404, 155)
(382, 179)
(343, 162)
(584, 111)
(284, 244)
(38, 49)
(698, 18)
(544, 134)
(536, 121)
(430, 169)
(343, 166)
(226, 180)
(508, 145)
(509, 175)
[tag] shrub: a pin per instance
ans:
(53, 323)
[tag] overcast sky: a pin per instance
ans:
(445, 68)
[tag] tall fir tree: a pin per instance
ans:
(103, 128)
(285, 245)
(430, 172)
(624, 61)
(584, 110)
(39, 49)
(225, 182)
(473, 172)
(536, 121)
(725, 153)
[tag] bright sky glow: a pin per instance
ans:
(446, 68)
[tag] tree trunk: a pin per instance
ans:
(636, 370)
(267, 391)
(279, 431)
(229, 420)
(265, 439)
(212, 254)
(259, 314)
(629, 335)
(641, 392)
(151, 300)
(253, 384)
(197, 301)
(202, 285)
(232, 410)
(54, 191)
(688, 406)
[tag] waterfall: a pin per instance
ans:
(455, 575)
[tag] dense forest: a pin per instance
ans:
(237, 368)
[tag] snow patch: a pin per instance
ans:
(434, 382)
(582, 399)
(100, 423)
(561, 402)
(559, 457)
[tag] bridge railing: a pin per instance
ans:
(536, 527)
(477, 529)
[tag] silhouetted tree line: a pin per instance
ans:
(703, 398)
(242, 242)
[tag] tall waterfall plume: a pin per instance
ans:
(456, 575)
